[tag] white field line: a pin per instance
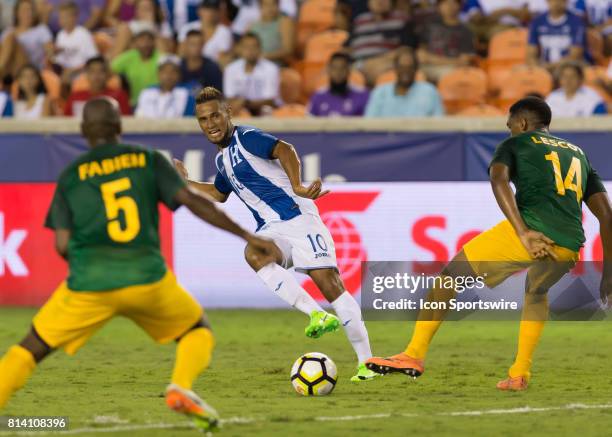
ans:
(246, 420)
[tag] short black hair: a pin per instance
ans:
(534, 108)
(341, 55)
(576, 66)
(251, 35)
(193, 32)
(96, 60)
(208, 94)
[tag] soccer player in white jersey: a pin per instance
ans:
(265, 174)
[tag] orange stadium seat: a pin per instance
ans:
(290, 85)
(320, 47)
(80, 83)
(315, 16)
(293, 110)
(480, 110)
(596, 77)
(462, 88)
(506, 50)
(522, 81)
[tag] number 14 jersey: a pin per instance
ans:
(108, 199)
(552, 178)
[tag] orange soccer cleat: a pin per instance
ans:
(188, 403)
(518, 383)
(400, 363)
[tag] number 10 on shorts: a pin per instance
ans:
(317, 241)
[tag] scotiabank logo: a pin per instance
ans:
(350, 252)
(10, 242)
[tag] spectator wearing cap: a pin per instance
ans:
(168, 100)
(90, 13)
(276, 33)
(252, 82)
(139, 65)
(217, 37)
(198, 71)
(573, 98)
(147, 14)
(556, 36)
(340, 98)
(376, 35)
(405, 97)
(26, 42)
(445, 43)
(74, 44)
(97, 72)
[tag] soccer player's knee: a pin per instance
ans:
(254, 258)
(36, 346)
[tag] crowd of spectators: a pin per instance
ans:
(381, 58)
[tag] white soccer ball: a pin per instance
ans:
(314, 374)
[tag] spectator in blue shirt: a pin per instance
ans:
(180, 12)
(405, 97)
(6, 105)
(557, 36)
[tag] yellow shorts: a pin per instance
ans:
(498, 253)
(163, 309)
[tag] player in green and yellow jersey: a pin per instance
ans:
(105, 216)
(542, 232)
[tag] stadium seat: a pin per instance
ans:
(462, 88)
(480, 110)
(595, 45)
(291, 85)
(506, 50)
(80, 83)
(293, 110)
(315, 16)
(390, 76)
(320, 47)
(596, 77)
(522, 81)
(104, 42)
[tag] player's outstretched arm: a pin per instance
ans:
(599, 204)
(290, 161)
(203, 206)
(204, 187)
(537, 244)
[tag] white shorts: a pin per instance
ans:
(304, 241)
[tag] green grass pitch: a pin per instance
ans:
(114, 385)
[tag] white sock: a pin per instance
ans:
(349, 312)
(284, 285)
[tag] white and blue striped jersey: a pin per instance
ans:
(247, 168)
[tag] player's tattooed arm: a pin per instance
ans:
(62, 237)
(537, 244)
(599, 204)
(204, 207)
(290, 161)
(204, 187)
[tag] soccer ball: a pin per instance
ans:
(314, 374)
